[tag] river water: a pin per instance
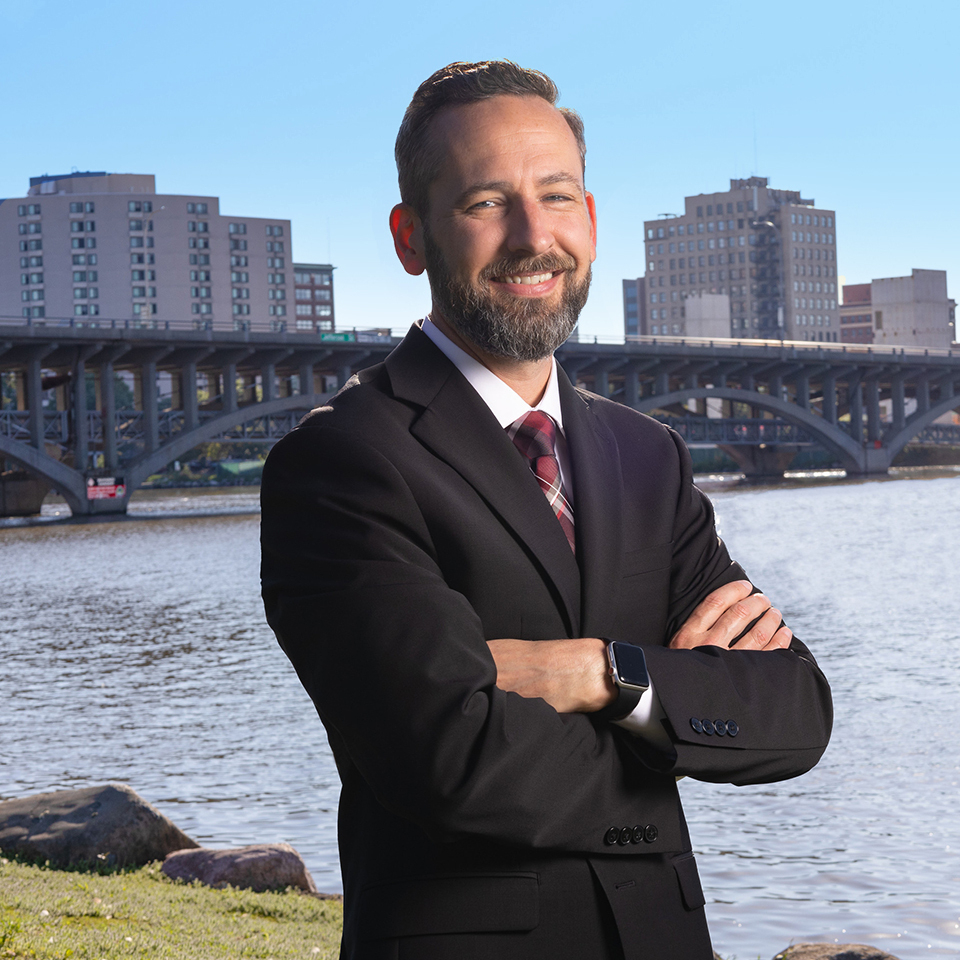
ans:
(137, 651)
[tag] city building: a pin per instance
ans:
(856, 315)
(107, 247)
(634, 308)
(313, 296)
(912, 311)
(771, 252)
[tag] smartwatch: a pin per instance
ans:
(628, 670)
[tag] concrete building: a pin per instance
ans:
(771, 252)
(856, 314)
(107, 247)
(313, 296)
(705, 315)
(912, 311)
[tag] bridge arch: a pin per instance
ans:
(66, 480)
(136, 471)
(919, 422)
(71, 483)
(848, 452)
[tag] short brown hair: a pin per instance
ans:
(454, 85)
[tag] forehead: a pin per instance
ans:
(504, 137)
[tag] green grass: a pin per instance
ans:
(59, 914)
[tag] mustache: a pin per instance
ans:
(510, 266)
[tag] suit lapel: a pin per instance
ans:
(457, 426)
(598, 499)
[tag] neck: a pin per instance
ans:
(528, 378)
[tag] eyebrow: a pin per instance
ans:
(487, 186)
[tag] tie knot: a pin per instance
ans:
(535, 435)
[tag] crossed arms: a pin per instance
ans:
(572, 676)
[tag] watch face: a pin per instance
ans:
(631, 665)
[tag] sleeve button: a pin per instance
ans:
(611, 836)
(650, 832)
(696, 724)
(732, 728)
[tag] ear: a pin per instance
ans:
(592, 212)
(408, 238)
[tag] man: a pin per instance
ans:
(509, 777)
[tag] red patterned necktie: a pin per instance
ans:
(535, 436)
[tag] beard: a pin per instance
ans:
(523, 329)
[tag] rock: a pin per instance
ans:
(833, 951)
(109, 824)
(262, 866)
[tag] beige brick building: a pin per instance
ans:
(100, 248)
(771, 252)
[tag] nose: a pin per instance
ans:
(529, 230)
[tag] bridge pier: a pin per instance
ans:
(761, 462)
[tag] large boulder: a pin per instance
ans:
(262, 866)
(833, 951)
(107, 825)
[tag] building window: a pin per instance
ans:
(274, 230)
(140, 206)
(196, 208)
(274, 246)
(304, 310)
(324, 311)
(239, 244)
(136, 242)
(238, 228)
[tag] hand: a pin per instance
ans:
(571, 675)
(724, 615)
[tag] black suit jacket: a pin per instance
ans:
(401, 529)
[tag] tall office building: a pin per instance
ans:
(771, 252)
(107, 246)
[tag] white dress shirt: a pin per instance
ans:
(508, 406)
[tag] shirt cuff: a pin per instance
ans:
(644, 721)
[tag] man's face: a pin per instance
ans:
(511, 234)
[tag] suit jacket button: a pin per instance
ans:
(637, 835)
(732, 728)
(650, 832)
(626, 835)
(611, 836)
(696, 724)
(707, 727)
(720, 727)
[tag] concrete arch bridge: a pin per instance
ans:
(769, 397)
(760, 400)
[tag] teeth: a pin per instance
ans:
(536, 278)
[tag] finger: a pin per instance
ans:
(762, 632)
(739, 618)
(715, 604)
(781, 639)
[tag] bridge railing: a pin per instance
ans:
(737, 431)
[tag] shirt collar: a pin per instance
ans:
(504, 402)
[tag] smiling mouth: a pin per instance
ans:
(527, 280)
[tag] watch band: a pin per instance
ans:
(628, 694)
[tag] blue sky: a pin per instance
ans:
(290, 108)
